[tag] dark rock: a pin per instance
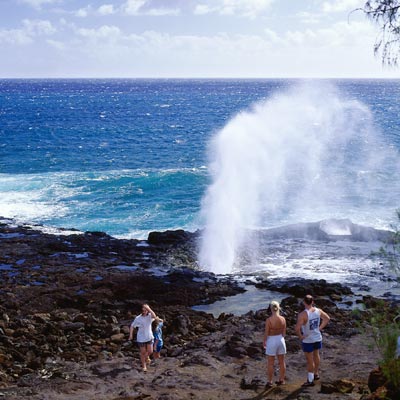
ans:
(328, 388)
(376, 379)
(293, 343)
(254, 384)
(181, 324)
(176, 352)
(198, 359)
(300, 287)
(72, 326)
(236, 351)
(168, 238)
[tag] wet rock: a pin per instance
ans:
(299, 287)
(168, 237)
(326, 230)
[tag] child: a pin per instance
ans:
(156, 327)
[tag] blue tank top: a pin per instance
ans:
(158, 333)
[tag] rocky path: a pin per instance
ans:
(200, 374)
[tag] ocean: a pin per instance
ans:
(130, 156)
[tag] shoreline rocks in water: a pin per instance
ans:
(67, 302)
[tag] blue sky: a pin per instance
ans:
(187, 38)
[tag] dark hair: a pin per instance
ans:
(308, 299)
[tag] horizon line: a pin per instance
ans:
(199, 78)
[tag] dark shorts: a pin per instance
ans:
(310, 347)
(142, 344)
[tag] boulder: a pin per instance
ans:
(339, 386)
(168, 238)
(118, 338)
(376, 379)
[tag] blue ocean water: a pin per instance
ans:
(131, 156)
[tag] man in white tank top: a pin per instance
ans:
(308, 329)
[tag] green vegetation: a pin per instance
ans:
(385, 331)
(390, 251)
(384, 319)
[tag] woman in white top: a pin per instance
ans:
(274, 343)
(144, 336)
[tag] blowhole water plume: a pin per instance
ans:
(297, 155)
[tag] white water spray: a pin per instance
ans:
(303, 149)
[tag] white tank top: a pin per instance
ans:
(311, 327)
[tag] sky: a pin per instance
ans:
(188, 39)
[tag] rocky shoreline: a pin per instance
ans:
(67, 301)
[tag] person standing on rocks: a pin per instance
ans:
(144, 336)
(157, 326)
(274, 343)
(308, 329)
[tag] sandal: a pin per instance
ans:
(279, 383)
(144, 369)
(308, 383)
(268, 385)
(316, 377)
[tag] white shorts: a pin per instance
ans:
(275, 345)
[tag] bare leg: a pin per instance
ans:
(270, 368)
(310, 366)
(316, 359)
(282, 367)
(149, 351)
(310, 362)
(143, 357)
(155, 353)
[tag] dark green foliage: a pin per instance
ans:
(384, 323)
(386, 14)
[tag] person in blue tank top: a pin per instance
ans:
(156, 327)
(310, 323)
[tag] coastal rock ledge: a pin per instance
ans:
(67, 300)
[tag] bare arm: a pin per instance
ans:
(301, 320)
(284, 328)
(325, 319)
(152, 313)
(131, 332)
(266, 333)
